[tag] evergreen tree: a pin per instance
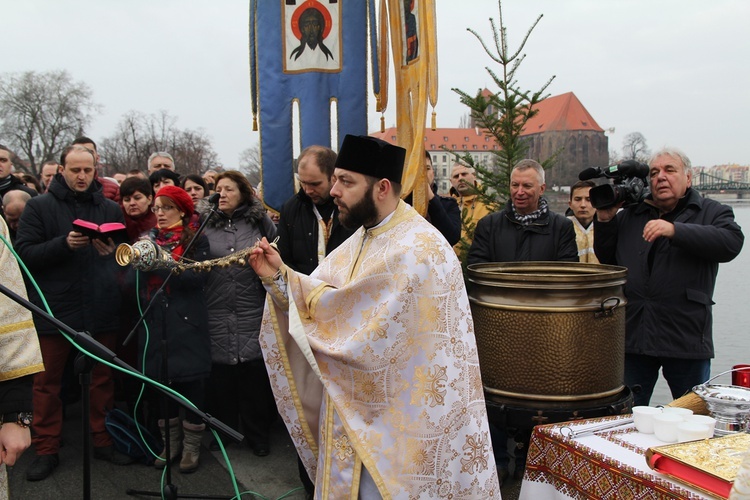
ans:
(502, 115)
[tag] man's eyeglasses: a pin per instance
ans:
(164, 209)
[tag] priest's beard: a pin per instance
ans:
(362, 213)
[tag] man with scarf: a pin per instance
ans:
(525, 230)
(372, 357)
(78, 277)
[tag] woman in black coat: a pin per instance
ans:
(179, 317)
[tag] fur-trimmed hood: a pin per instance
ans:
(254, 213)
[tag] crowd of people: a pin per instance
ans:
(366, 340)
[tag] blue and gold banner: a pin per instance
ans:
(312, 52)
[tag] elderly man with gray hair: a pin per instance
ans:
(672, 243)
(525, 229)
(159, 160)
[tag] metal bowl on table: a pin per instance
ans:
(729, 405)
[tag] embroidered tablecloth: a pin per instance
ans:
(606, 464)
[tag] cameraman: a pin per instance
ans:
(671, 243)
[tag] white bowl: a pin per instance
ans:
(689, 431)
(702, 419)
(665, 427)
(643, 418)
(683, 412)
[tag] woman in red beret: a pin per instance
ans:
(180, 318)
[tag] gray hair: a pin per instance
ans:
(163, 154)
(15, 196)
(533, 164)
(674, 153)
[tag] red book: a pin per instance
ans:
(100, 231)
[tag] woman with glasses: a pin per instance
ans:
(181, 321)
(239, 392)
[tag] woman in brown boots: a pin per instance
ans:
(182, 322)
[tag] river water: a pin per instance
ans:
(731, 312)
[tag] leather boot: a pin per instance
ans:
(175, 442)
(191, 446)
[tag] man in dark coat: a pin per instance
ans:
(672, 243)
(309, 227)
(525, 229)
(78, 277)
(8, 181)
(442, 211)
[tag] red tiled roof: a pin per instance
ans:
(559, 113)
(556, 113)
(457, 139)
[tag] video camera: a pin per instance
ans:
(629, 184)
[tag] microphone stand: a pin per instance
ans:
(90, 345)
(169, 490)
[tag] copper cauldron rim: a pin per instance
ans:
(546, 271)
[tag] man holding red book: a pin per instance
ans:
(78, 277)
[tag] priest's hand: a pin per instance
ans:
(264, 259)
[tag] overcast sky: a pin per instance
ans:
(675, 70)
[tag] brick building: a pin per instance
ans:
(562, 122)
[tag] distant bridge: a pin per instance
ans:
(706, 182)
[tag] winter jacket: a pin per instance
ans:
(444, 214)
(181, 313)
(81, 287)
(234, 295)
(670, 282)
(298, 233)
(500, 238)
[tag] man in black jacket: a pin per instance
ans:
(78, 277)
(442, 211)
(525, 229)
(672, 243)
(8, 181)
(309, 227)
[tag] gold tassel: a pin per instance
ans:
(434, 120)
(382, 123)
(255, 123)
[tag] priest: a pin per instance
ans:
(372, 357)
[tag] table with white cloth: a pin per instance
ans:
(607, 464)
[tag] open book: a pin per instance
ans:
(100, 231)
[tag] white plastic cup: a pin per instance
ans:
(643, 418)
(683, 412)
(665, 427)
(705, 420)
(689, 431)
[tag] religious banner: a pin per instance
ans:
(313, 53)
(414, 48)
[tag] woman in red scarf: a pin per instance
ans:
(179, 317)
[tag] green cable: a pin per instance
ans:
(144, 379)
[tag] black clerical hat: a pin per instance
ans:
(370, 156)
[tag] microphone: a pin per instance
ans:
(590, 173)
(214, 199)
